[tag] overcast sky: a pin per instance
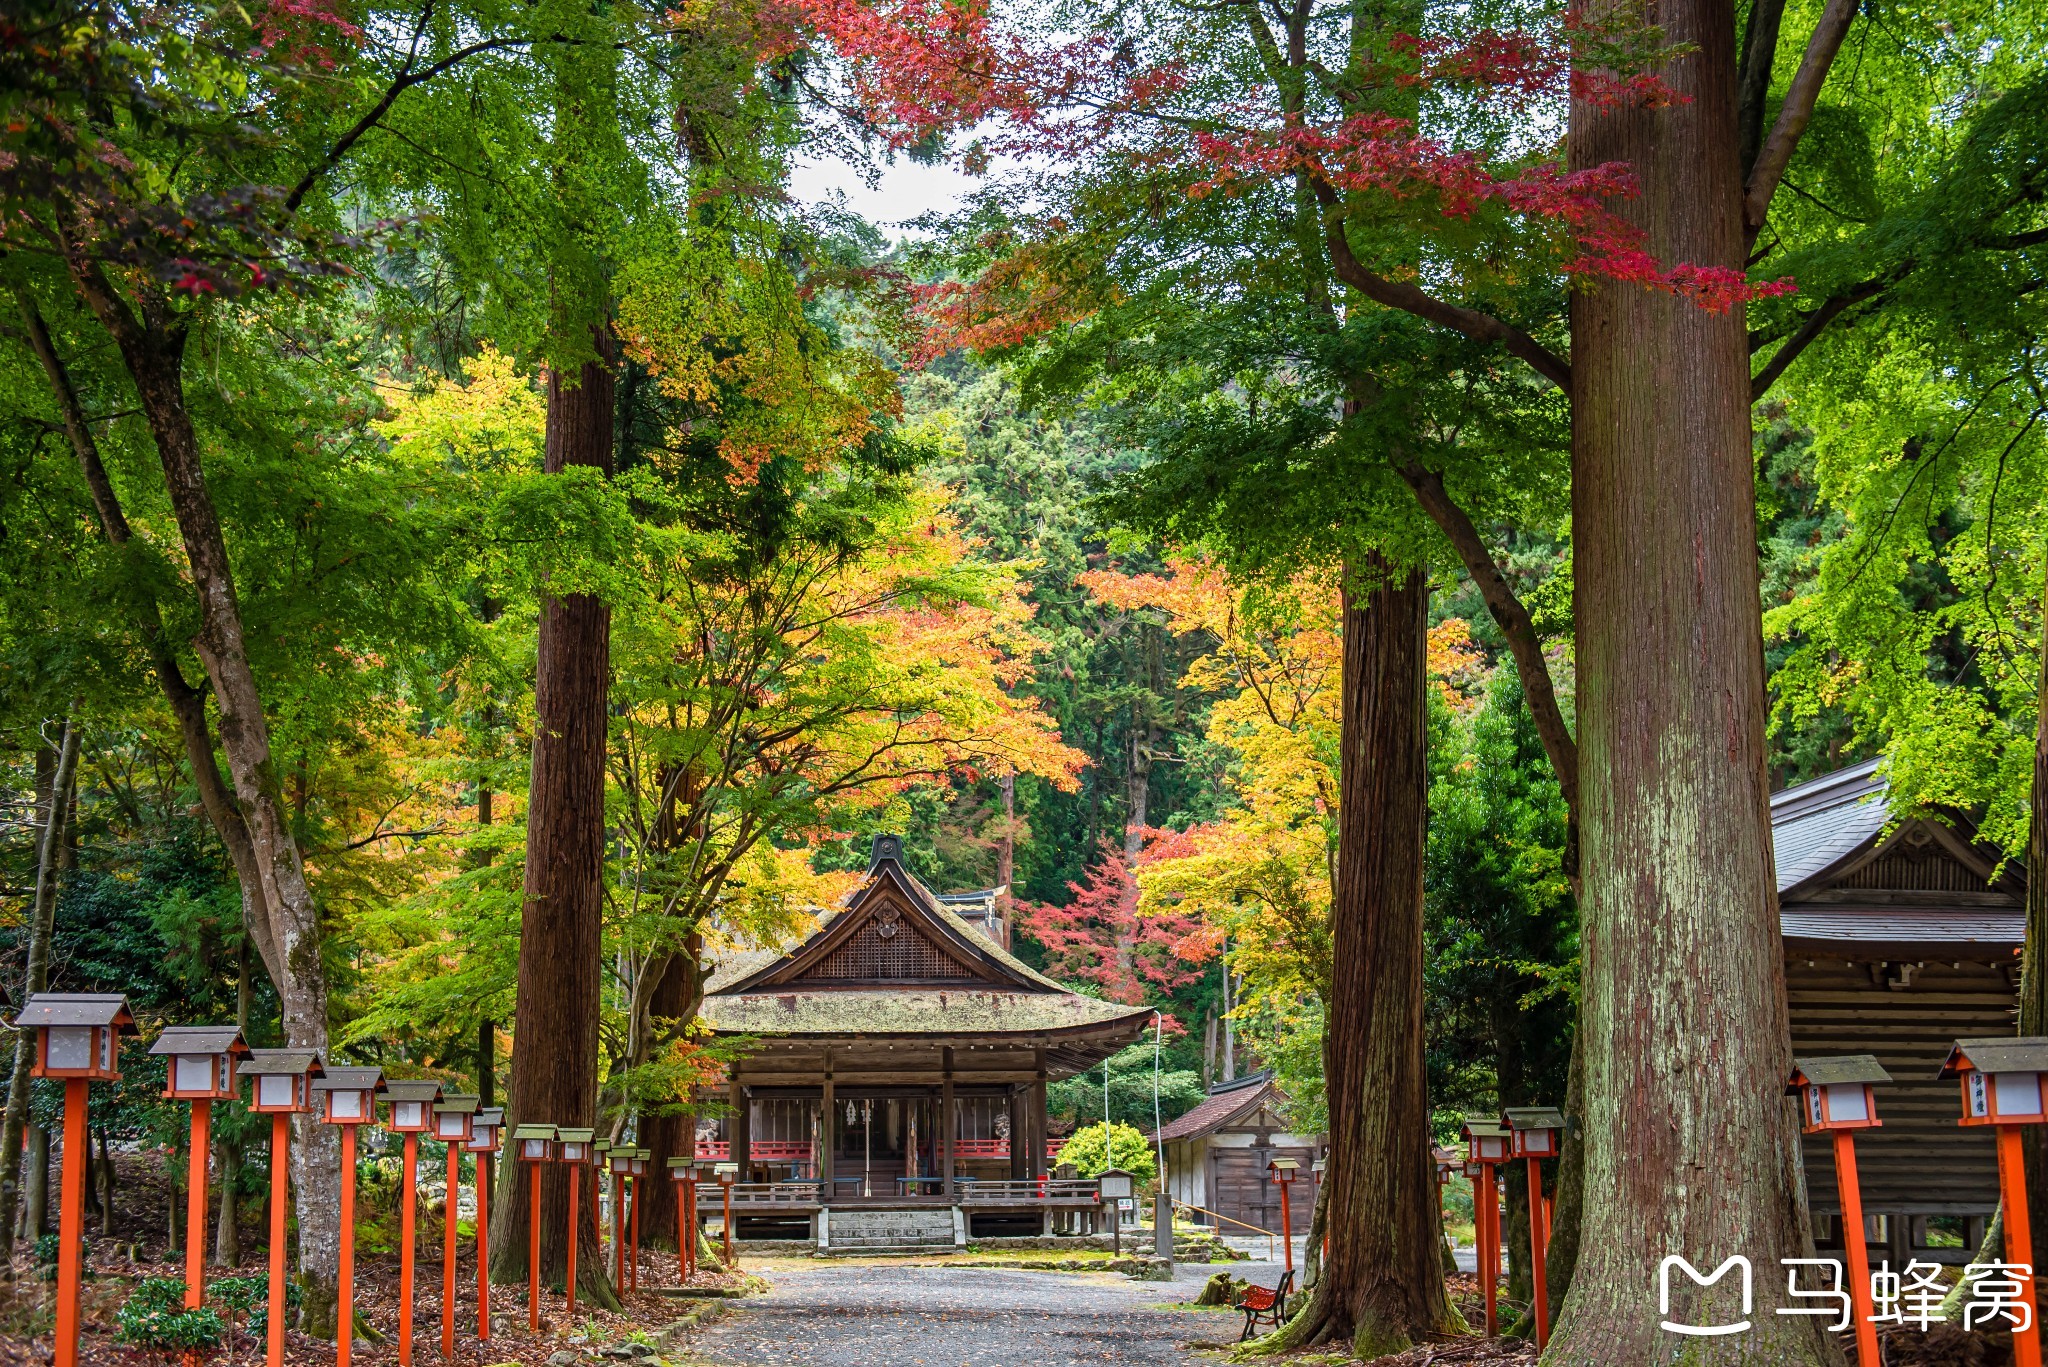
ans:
(905, 190)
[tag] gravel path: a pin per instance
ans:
(869, 1315)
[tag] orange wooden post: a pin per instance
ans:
(533, 1257)
(280, 1163)
(195, 1204)
(1540, 1288)
(1282, 1171)
(483, 1250)
(448, 1236)
(345, 1313)
(2019, 1242)
(575, 1234)
(71, 1220)
(725, 1179)
(407, 1236)
(618, 1223)
(683, 1240)
(1489, 1247)
(1853, 1243)
(633, 1262)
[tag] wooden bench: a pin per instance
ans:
(1263, 1305)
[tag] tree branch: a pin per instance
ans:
(1816, 323)
(406, 80)
(1759, 52)
(1514, 622)
(1482, 327)
(1796, 112)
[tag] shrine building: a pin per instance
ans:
(898, 1060)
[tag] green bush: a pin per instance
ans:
(155, 1318)
(1128, 1149)
(250, 1297)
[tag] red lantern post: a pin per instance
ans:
(574, 1149)
(633, 1262)
(1486, 1145)
(77, 1040)
(200, 1068)
(683, 1172)
(1534, 1134)
(350, 1096)
(2001, 1079)
(619, 1161)
(282, 1087)
(536, 1145)
(412, 1101)
(1837, 1097)
(1283, 1171)
(728, 1173)
(454, 1119)
(483, 1144)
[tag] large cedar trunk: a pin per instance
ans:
(1381, 1289)
(554, 1041)
(1689, 1148)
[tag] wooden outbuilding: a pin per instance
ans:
(1218, 1156)
(1899, 939)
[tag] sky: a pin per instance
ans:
(905, 190)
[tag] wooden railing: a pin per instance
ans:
(799, 1150)
(1068, 1190)
(768, 1194)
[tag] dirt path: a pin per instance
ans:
(923, 1316)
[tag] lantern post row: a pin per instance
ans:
(684, 1171)
(2002, 1086)
(536, 1144)
(484, 1144)
(77, 1040)
(728, 1173)
(1837, 1098)
(412, 1102)
(1486, 1144)
(200, 1068)
(1534, 1134)
(1284, 1171)
(282, 1087)
(573, 1147)
(454, 1121)
(349, 1101)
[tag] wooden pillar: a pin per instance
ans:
(828, 1133)
(947, 1123)
(1020, 1142)
(741, 1130)
(1038, 1118)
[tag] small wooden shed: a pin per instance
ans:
(1898, 941)
(1216, 1157)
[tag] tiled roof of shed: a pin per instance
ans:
(1224, 1103)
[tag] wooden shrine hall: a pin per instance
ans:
(1901, 936)
(898, 1060)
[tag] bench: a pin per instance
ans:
(1264, 1305)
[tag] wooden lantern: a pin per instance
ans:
(1448, 1164)
(1284, 1171)
(2001, 1079)
(77, 1039)
(1485, 1141)
(76, 1033)
(1837, 1093)
(202, 1061)
(349, 1095)
(684, 1171)
(483, 1129)
(282, 1080)
(574, 1145)
(455, 1120)
(535, 1143)
(348, 1098)
(1534, 1131)
(412, 1104)
(618, 1161)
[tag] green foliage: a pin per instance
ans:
(1079, 1098)
(154, 1318)
(1127, 1148)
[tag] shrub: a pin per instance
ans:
(155, 1319)
(1128, 1150)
